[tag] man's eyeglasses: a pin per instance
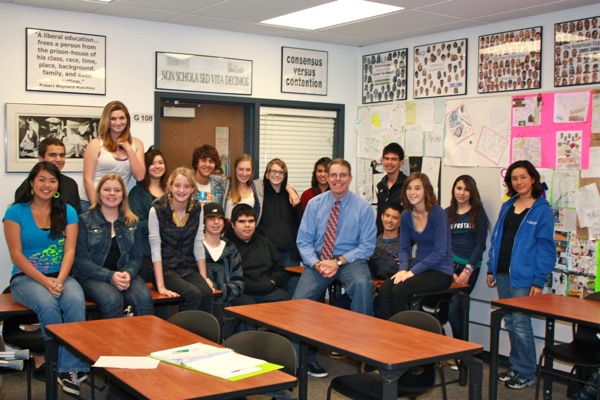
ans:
(343, 175)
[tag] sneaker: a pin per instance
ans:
(453, 364)
(81, 376)
(519, 382)
(314, 369)
(507, 375)
(69, 383)
(336, 355)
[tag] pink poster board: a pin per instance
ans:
(547, 129)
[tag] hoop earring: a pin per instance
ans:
(56, 195)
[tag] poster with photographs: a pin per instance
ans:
(440, 69)
(576, 52)
(384, 76)
(510, 60)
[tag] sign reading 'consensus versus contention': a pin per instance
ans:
(189, 72)
(303, 71)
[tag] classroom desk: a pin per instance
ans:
(390, 347)
(139, 336)
(548, 306)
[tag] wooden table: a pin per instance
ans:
(139, 336)
(391, 347)
(552, 307)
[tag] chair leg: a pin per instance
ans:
(539, 375)
(598, 385)
(329, 392)
(29, 376)
(442, 380)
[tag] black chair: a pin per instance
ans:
(31, 339)
(412, 384)
(266, 346)
(199, 322)
(583, 353)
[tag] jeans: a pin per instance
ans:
(69, 307)
(112, 301)
(522, 356)
(394, 298)
(355, 277)
(454, 311)
(193, 289)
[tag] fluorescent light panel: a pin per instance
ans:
(330, 14)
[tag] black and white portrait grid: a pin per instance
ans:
(577, 52)
(384, 76)
(510, 60)
(440, 69)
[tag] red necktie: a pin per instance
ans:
(330, 232)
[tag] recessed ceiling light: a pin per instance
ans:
(330, 14)
(101, 1)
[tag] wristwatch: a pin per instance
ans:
(338, 261)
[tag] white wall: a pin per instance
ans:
(130, 77)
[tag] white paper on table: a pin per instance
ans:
(126, 362)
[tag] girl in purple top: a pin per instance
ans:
(426, 224)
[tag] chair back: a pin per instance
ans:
(266, 346)
(585, 334)
(199, 322)
(418, 319)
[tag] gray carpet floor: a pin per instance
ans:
(14, 385)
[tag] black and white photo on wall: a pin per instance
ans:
(28, 124)
(440, 69)
(577, 52)
(384, 76)
(510, 60)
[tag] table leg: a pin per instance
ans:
(475, 367)
(302, 371)
(549, 362)
(51, 350)
(495, 320)
(390, 383)
(465, 307)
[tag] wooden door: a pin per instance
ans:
(180, 136)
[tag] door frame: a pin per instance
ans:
(252, 116)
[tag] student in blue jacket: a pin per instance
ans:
(522, 254)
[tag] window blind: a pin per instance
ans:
(299, 138)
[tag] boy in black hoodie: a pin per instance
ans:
(264, 275)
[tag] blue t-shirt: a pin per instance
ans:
(44, 253)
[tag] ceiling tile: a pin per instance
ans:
(116, 10)
(180, 6)
(210, 23)
(253, 11)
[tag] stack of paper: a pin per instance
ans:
(216, 361)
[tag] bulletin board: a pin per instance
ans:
(577, 252)
(556, 119)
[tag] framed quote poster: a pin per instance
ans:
(384, 76)
(576, 52)
(510, 60)
(440, 69)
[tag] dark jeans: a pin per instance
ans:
(454, 312)
(112, 301)
(394, 298)
(275, 295)
(245, 299)
(193, 289)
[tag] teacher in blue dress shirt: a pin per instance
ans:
(353, 242)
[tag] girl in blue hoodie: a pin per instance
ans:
(522, 254)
